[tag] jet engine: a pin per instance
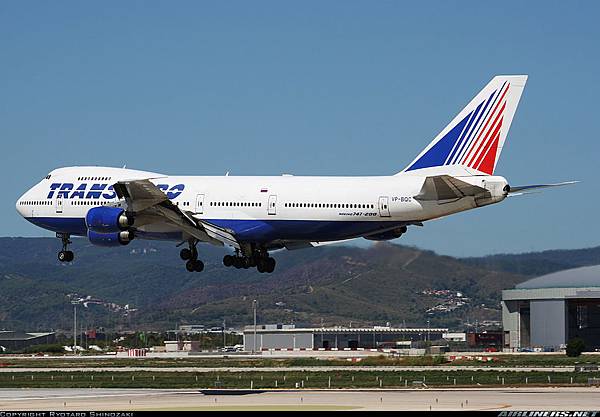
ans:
(390, 234)
(110, 239)
(108, 220)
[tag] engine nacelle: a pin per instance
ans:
(390, 234)
(108, 219)
(110, 239)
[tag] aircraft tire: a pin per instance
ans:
(190, 265)
(228, 260)
(238, 262)
(198, 266)
(270, 265)
(185, 254)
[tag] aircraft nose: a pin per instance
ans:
(20, 205)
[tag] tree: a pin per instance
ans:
(575, 347)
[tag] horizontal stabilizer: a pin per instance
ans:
(522, 188)
(446, 187)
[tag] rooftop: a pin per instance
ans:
(370, 330)
(583, 277)
(11, 335)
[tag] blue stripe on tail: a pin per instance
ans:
(437, 154)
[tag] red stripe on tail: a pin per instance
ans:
(487, 165)
(490, 134)
(476, 146)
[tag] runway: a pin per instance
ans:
(416, 400)
(290, 369)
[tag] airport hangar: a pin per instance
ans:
(289, 337)
(10, 340)
(548, 311)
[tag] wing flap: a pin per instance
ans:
(220, 234)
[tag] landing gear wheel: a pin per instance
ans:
(198, 266)
(270, 265)
(228, 260)
(190, 265)
(65, 256)
(260, 267)
(238, 262)
(185, 254)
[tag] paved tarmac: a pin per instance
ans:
(421, 399)
(289, 369)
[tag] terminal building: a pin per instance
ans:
(285, 337)
(548, 311)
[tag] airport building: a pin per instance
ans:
(288, 337)
(548, 311)
(12, 341)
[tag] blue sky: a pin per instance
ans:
(311, 87)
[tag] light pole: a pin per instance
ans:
(254, 306)
(74, 302)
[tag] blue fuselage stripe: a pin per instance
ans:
(246, 230)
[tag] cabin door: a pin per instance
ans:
(272, 210)
(200, 203)
(384, 207)
(58, 203)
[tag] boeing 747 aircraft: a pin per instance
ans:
(256, 215)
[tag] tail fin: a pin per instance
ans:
(471, 144)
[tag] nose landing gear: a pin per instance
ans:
(65, 255)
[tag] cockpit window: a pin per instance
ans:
(48, 176)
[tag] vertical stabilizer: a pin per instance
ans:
(472, 142)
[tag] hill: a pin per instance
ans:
(538, 263)
(145, 285)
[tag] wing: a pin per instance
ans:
(146, 199)
(446, 187)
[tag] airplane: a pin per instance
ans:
(256, 215)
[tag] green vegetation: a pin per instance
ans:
(575, 347)
(270, 380)
(529, 360)
(337, 284)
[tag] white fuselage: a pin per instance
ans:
(256, 209)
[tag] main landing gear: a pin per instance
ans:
(190, 255)
(65, 255)
(259, 259)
